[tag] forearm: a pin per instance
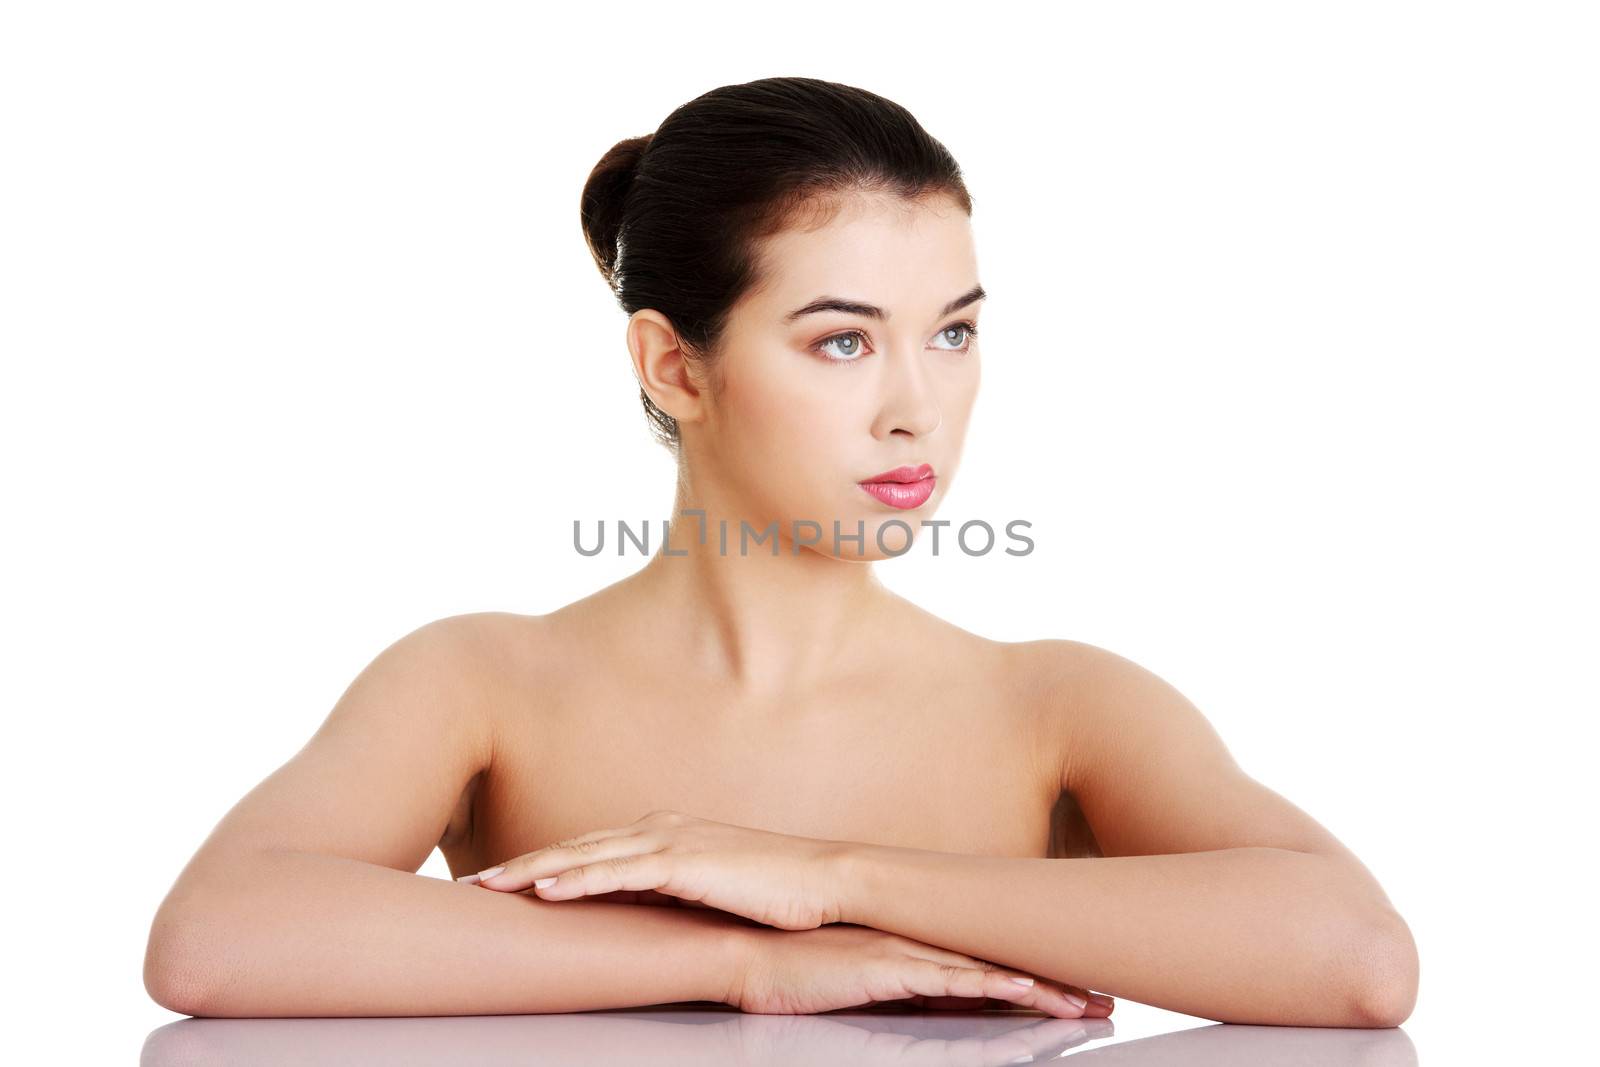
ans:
(299, 934)
(1249, 935)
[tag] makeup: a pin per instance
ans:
(904, 487)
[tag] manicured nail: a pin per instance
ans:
(544, 883)
(1022, 981)
(491, 872)
(1076, 1001)
(468, 879)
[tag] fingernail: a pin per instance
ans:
(491, 872)
(1076, 1001)
(469, 879)
(1022, 981)
(544, 883)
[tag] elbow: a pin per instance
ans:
(1386, 979)
(171, 987)
(168, 989)
(172, 977)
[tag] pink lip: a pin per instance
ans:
(903, 487)
(903, 474)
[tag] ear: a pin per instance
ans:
(661, 367)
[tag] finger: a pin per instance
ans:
(1007, 990)
(929, 979)
(1028, 991)
(1096, 1000)
(607, 876)
(520, 873)
(1062, 1002)
(1096, 1005)
(578, 843)
(959, 959)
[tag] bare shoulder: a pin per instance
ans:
(499, 656)
(1151, 771)
(379, 778)
(1048, 661)
(482, 651)
(452, 667)
(1105, 711)
(1056, 681)
(502, 639)
(1056, 669)
(528, 664)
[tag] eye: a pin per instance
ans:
(965, 329)
(852, 341)
(848, 354)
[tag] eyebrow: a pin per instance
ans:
(872, 311)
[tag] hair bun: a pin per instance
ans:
(605, 194)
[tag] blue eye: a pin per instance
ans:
(848, 357)
(965, 328)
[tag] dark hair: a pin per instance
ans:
(673, 218)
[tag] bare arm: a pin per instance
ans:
(1215, 896)
(300, 934)
(304, 900)
(1244, 935)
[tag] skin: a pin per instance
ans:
(794, 693)
(780, 684)
(790, 692)
(788, 672)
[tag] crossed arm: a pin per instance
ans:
(1212, 896)
(1215, 896)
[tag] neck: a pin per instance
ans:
(756, 621)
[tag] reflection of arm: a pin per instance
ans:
(1214, 896)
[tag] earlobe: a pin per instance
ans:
(660, 366)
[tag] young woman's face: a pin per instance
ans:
(815, 400)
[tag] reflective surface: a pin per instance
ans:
(704, 1035)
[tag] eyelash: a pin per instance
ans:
(966, 324)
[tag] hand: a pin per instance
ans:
(777, 879)
(848, 966)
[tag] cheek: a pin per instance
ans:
(784, 438)
(960, 396)
(961, 407)
(778, 414)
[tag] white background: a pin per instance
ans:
(1286, 358)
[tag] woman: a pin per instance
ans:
(859, 802)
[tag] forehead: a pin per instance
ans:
(881, 248)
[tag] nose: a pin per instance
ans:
(910, 403)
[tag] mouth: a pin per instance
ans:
(904, 487)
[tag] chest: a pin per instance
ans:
(959, 777)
